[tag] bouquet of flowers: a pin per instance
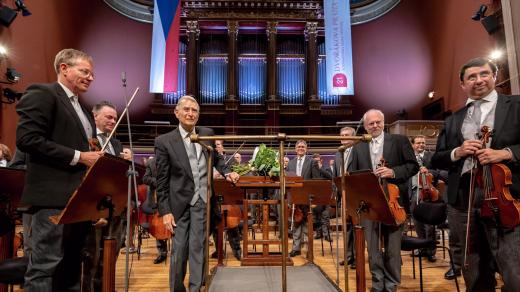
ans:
(265, 163)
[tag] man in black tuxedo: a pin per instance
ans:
(321, 213)
(182, 193)
(105, 118)
(53, 131)
(150, 179)
(491, 247)
(424, 159)
(385, 266)
(347, 156)
(307, 168)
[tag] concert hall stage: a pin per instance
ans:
(268, 278)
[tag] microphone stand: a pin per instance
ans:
(131, 174)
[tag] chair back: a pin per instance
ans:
(431, 213)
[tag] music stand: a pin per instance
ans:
(12, 181)
(100, 194)
(364, 199)
(11, 188)
(227, 194)
(313, 192)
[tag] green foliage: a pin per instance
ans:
(241, 169)
(265, 163)
(265, 160)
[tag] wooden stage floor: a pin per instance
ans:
(145, 276)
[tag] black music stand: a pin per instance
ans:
(11, 188)
(313, 192)
(101, 194)
(12, 181)
(364, 199)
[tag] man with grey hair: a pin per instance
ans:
(53, 131)
(182, 193)
(307, 168)
(384, 261)
(338, 171)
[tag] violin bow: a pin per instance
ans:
(119, 121)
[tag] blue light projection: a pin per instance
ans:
(252, 80)
(291, 80)
(213, 80)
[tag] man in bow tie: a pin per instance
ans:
(182, 192)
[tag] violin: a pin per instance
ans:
(427, 191)
(232, 215)
(94, 144)
(157, 228)
(392, 194)
(494, 179)
(296, 216)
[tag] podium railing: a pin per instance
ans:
(281, 138)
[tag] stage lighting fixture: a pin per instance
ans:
(495, 55)
(7, 15)
(12, 75)
(12, 95)
(20, 6)
(3, 51)
(481, 13)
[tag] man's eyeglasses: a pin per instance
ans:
(86, 73)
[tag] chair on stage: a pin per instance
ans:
(329, 231)
(432, 214)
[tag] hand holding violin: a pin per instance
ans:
(469, 147)
(384, 172)
(488, 155)
(89, 158)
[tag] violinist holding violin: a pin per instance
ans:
(422, 188)
(53, 130)
(385, 261)
(492, 245)
(105, 118)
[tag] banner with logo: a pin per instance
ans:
(338, 47)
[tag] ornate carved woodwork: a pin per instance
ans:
(192, 56)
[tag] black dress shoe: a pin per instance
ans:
(432, 259)
(342, 263)
(352, 266)
(238, 254)
(295, 253)
(450, 274)
(161, 258)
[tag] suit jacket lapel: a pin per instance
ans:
(458, 120)
(501, 109)
(64, 99)
(306, 167)
(179, 148)
(201, 132)
(387, 146)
